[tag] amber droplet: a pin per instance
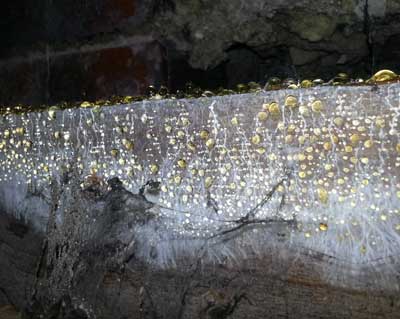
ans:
(154, 168)
(182, 163)
(210, 143)
(204, 134)
(260, 150)
(208, 182)
(306, 84)
(191, 146)
(327, 146)
(86, 104)
(114, 152)
(262, 116)
(354, 139)
(384, 76)
(128, 144)
(368, 143)
(256, 139)
(323, 195)
(317, 106)
(273, 108)
(291, 101)
(323, 226)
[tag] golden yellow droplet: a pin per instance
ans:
(182, 163)
(398, 148)
(317, 106)
(52, 114)
(256, 139)
(302, 174)
(280, 189)
(384, 76)
(235, 121)
(323, 195)
(354, 139)
(306, 84)
(189, 188)
(340, 181)
(180, 134)
(291, 128)
(397, 227)
(289, 139)
(262, 116)
(302, 139)
(208, 182)
(128, 144)
(317, 131)
(121, 161)
(86, 104)
(368, 143)
(354, 160)
(177, 180)
(327, 146)
(204, 134)
(232, 186)
(307, 234)
(302, 157)
(281, 126)
(28, 144)
(20, 130)
(365, 160)
(273, 108)
(168, 128)
(383, 217)
(291, 101)
(260, 150)
(172, 141)
(363, 249)
(210, 143)
(380, 122)
(323, 226)
(348, 149)
(191, 146)
(338, 121)
(272, 157)
(154, 168)
(304, 110)
(185, 121)
(114, 152)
